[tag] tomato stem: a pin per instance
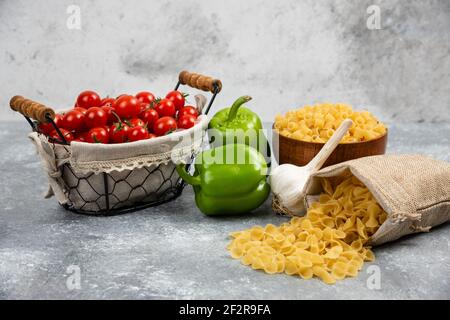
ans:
(117, 116)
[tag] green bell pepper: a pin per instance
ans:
(237, 124)
(230, 179)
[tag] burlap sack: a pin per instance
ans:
(414, 191)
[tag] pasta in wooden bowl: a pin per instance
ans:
(300, 134)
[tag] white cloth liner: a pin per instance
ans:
(88, 157)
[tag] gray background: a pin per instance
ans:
(283, 53)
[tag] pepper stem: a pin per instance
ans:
(236, 105)
(181, 169)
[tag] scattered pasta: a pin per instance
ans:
(329, 242)
(317, 123)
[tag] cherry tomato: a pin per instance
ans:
(108, 129)
(96, 117)
(186, 122)
(58, 120)
(151, 136)
(188, 110)
(81, 137)
(47, 128)
(137, 133)
(127, 107)
(165, 108)
(109, 114)
(118, 132)
(149, 116)
(74, 120)
(145, 97)
(67, 135)
(97, 135)
(143, 106)
(177, 98)
(88, 99)
(82, 110)
(135, 122)
(164, 125)
(107, 102)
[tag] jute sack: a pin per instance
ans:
(414, 191)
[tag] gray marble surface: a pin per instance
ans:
(173, 251)
(284, 53)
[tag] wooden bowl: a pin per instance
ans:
(300, 153)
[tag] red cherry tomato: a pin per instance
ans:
(186, 122)
(96, 117)
(145, 97)
(137, 133)
(135, 122)
(67, 135)
(118, 132)
(88, 99)
(74, 120)
(149, 116)
(107, 102)
(177, 98)
(58, 120)
(81, 137)
(143, 106)
(164, 125)
(47, 128)
(82, 110)
(165, 108)
(188, 110)
(127, 107)
(97, 135)
(108, 129)
(151, 136)
(109, 114)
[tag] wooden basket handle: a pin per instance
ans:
(31, 109)
(200, 82)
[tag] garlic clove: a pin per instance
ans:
(288, 183)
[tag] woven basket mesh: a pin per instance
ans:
(87, 192)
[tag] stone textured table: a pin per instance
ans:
(173, 251)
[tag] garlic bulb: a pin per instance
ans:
(287, 182)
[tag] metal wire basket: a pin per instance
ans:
(114, 192)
